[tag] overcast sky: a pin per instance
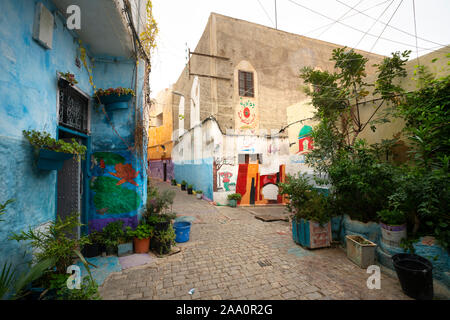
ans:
(182, 22)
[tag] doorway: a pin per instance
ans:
(70, 185)
(165, 171)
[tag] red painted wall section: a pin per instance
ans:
(241, 182)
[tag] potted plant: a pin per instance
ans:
(95, 247)
(114, 99)
(199, 194)
(183, 185)
(174, 182)
(360, 250)
(393, 226)
(311, 226)
(141, 237)
(233, 199)
(112, 232)
(163, 240)
(51, 152)
(66, 79)
(158, 212)
(190, 188)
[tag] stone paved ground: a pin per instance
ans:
(232, 255)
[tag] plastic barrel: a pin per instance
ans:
(415, 274)
(182, 230)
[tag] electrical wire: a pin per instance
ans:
(415, 28)
(392, 27)
(374, 6)
(387, 25)
(268, 16)
(353, 28)
(368, 30)
(339, 19)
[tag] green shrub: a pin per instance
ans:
(143, 231)
(43, 140)
(114, 233)
(166, 238)
(392, 217)
(59, 241)
(88, 288)
(199, 191)
(234, 196)
(304, 201)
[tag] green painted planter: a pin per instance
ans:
(115, 102)
(311, 234)
(52, 160)
(232, 203)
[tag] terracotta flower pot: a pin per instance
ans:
(141, 245)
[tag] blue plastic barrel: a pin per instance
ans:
(182, 230)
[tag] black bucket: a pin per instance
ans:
(415, 274)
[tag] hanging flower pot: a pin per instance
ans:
(52, 160)
(66, 79)
(115, 99)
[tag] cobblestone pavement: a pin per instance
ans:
(232, 255)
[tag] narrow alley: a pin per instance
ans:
(232, 255)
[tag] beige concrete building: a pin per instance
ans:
(236, 109)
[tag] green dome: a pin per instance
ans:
(304, 132)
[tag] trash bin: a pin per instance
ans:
(182, 230)
(415, 274)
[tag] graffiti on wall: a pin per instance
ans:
(247, 114)
(227, 184)
(113, 188)
(305, 141)
(250, 184)
(248, 144)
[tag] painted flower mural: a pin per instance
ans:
(110, 198)
(125, 173)
(247, 114)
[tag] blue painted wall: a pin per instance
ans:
(198, 173)
(28, 97)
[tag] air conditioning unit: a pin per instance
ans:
(43, 26)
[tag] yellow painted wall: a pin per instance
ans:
(161, 135)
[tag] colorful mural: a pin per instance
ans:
(247, 114)
(225, 176)
(305, 141)
(250, 184)
(113, 189)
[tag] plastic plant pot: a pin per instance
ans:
(141, 245)
(232, 203)
(415, 274)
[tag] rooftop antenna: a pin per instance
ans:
(276, 20)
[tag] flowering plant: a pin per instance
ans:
(70, 77)
(117, 91)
